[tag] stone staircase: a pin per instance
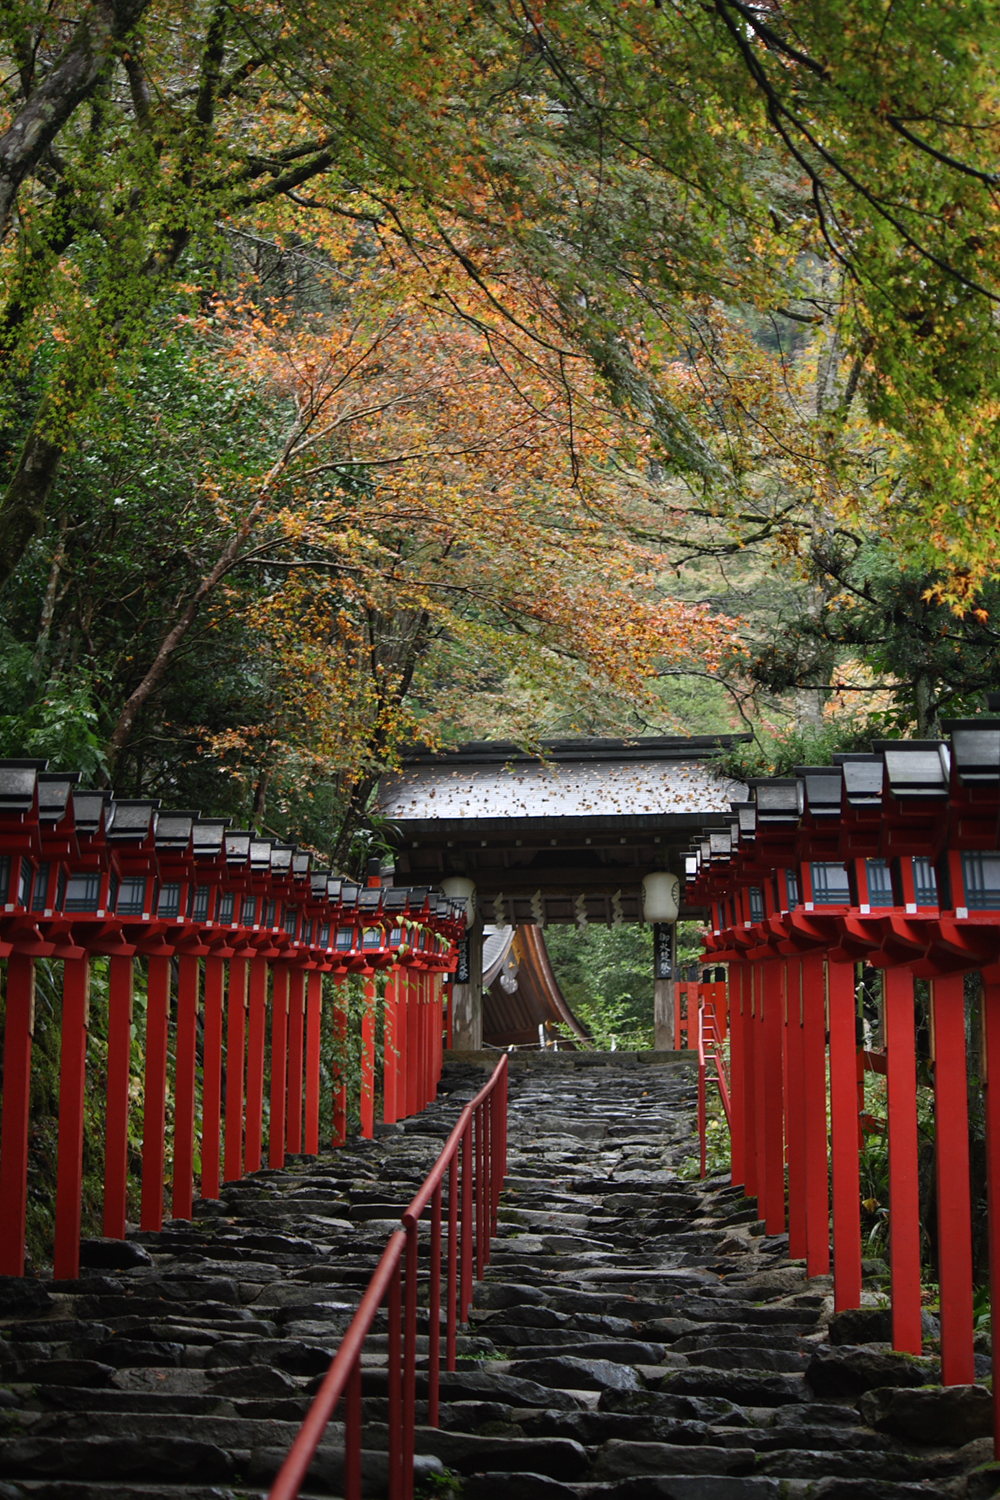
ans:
(637, 1337)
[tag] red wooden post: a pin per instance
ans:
(368, 1062)
(187, 1061)
(154, 1095)
(389, 1049)
(296, 1043)
(402, 1025)
(72, 1094)
(904, 1190)
(760, 1081)
(116, 1127)
(340, 1087)
(235, 1050)
(256, 1040)
(18, 1032)
(796, 1108)
(211, 1102)
(279, 1066)
(736, 1044)
(844, 1138)
(991, 1090)
(412, 1058)
(774, 1123)
(750, 1089)
(814, 1115)
(954, 1201)
(314, 1003)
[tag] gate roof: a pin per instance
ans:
(558, 836)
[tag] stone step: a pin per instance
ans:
(612, 1351)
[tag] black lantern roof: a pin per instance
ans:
(18, 780)
(88, 809)
(174, 830)
(779, 802)
(54, 788)
(916, 768)
(975, 748)
(823, 786)
(862, 779)
(131, 821)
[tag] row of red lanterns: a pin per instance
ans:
(891, 859)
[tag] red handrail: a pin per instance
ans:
(474, 1157)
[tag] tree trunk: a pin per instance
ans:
(71, 79)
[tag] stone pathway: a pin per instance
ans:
(637, 1337)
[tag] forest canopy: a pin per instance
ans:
(377, 372)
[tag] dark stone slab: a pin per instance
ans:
(953, 1414)
(850, 1370)
(113, 1255)
(568, 1373)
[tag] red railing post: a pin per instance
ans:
(256, 1042)
(182, 1197)
(904, 1187)
(450, 1352)
(395, 1385)
(120, 988)
(844, 1137)
(279, 1065)
(410, 1359)
(211, 1102)
(390, 1066)
(368, 1061)
(235, 1053)
(467, 1168)
(796, 1108)
(815, 1122)
(991, 1090)
(314, 1007)
(352, 1434)
(296, 1046)
(340, 1083)
(154, 1096)
(954, 1201)
(434, 1313)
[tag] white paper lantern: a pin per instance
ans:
(461, 888)
(661, 894)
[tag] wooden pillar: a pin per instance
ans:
(736, 1044)
(954, 1198)
(402, 1040)
(184, 1086)
(760, 1087)
(991, 1090)
(279, 1066)
(18, 1032)
(368, 1061)
(236, 1030)
(154, 1094)
(256, 1038)
(72, 1096)
(844, 1138)
(814, 1115)
(211, 1101)
(296, 1046)
(389, 1065)
(749, 1084)
(314, 1019)
(774, 1114)
(340, 1083)
(120, 991)
(904, 1187)
(795, 1132)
